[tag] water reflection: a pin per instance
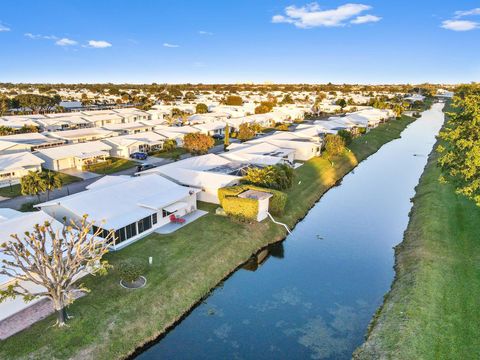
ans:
(258, 259)
(307, 298)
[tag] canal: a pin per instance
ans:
(313, 295)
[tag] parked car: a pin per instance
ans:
(143, 167)
(139, 155)
(218, 136)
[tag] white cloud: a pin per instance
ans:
(311, 15)
(203, 32)
(168, 45)
(460, 25)
(65, 42)
(4, 28)
(365, 19)
(39, 36)
(99, 44)
(459, 14)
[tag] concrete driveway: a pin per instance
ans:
(85, 175)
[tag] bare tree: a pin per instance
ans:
(54, 260)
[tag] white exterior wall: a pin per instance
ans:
(16, 174)
(262, 209)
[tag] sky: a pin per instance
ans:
(224, 41)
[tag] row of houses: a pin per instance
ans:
(154, 198)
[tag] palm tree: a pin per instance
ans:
(51, 181)
(32, 184)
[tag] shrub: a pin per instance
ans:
(234, 100)
(169, 145)
(201, 108)
(346, 136)
(131, 269)
(276, 204)
(245, 132)
(334, 145)
(278, 177)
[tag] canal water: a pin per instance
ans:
(313, 295)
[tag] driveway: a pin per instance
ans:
(85, 175)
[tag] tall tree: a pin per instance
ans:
(51, 181)
(245, 132)
(197, 143)
(460, 150)
(53, 260)
(32, 184)
(226, 140)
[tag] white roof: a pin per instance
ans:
(123, 202)
(260, 153)
(19, 160)
(148, 137)
(216, 125)
(197, 171)
(74, 150)
(78, 133)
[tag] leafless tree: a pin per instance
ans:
(54, 260)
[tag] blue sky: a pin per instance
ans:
(144, 41)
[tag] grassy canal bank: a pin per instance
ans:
(432, 310)
(111, 322)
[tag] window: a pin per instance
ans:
(145, 224)
(131, 230)
(154, 218)
(165, 213)
(120, 235)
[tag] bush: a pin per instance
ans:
(346, 136)
(334, 145)
(131, 269)
(234, 100)
(278, 177)
(276, 205)
(201, 108)
(169, 145)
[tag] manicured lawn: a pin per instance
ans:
(15, 190)
(112, 165)
(177, 152)
(110, 321)
(432, 311)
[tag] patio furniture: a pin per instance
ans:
(176, 220)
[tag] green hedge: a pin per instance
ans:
(229, 195)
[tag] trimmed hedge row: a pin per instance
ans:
(239, 207)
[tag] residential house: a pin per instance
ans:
(132, 207)
(74, 156)
(125, 145)
(27, 142)
(16, 165)
(207, 173)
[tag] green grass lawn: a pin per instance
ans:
(433, 309)
(111, 166)
(172, 154)
(111, 321)
(15, 190)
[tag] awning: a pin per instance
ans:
(175, 206)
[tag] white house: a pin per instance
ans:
(15, 166)
(262, 154)
(175, 132)
(27, 142)
(207, 173)
(132, 207)
(74, 156)
(305, 147)
(212, 128)
(130, 128)
(125, 145)
(81, 135)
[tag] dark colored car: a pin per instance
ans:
(139, 155)
(143, 167)
(218, 136)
